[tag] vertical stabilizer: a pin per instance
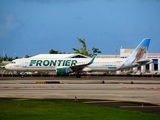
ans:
(139, 54)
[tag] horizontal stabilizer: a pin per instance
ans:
(142, 62)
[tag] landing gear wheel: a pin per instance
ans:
(22, 75)
(78, 76)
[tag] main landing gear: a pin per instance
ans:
(78, 75)
(22, 74)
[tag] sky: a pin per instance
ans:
(31, 27)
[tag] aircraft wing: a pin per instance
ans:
(80, 67)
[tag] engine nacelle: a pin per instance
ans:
(62, 71)
(87, 69)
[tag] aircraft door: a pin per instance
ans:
(24, 64)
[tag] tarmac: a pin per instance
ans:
(141, 94)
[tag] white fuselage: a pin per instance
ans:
(68, 65)
(50, 64)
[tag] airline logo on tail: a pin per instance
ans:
(138, 56)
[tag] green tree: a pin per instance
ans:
(53, 51)
(1, 59)
(83, 50)
(95, 51)
(56, 52)
(10, 58)
(27, 56)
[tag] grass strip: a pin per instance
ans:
(58, 110)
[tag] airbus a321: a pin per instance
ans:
(66, 66)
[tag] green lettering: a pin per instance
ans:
(73, 62)
(53, 62)
(39, 62)
(46, 62)
(32, 62)
(59, 62)
(68, 63)
(64, 63)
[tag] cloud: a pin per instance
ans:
(8, 24)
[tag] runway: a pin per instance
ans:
(149, 93)
(131, 93)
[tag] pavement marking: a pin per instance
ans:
(28, 87)
(139, 106)
(102, 101)
(143, 88)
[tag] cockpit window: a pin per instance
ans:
(13, 62)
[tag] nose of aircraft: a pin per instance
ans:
(7, 66)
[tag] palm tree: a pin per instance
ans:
(83, 50)
(95, 51)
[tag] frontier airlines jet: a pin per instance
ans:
(66, 66)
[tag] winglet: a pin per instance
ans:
(92, 60)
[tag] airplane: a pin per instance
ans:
(65, 66)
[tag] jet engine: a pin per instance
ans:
(62, 71)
